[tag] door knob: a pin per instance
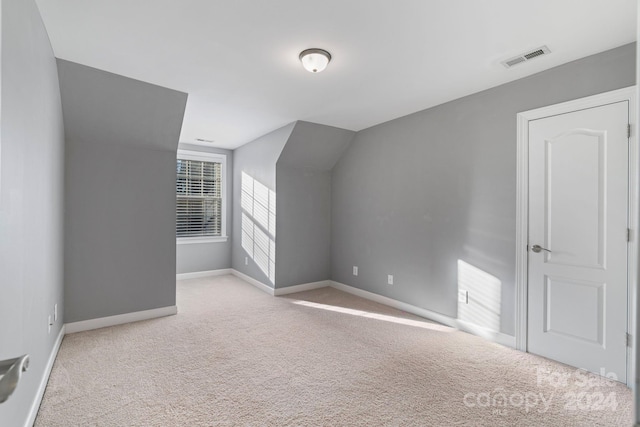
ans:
(538, 248)
(10, 372)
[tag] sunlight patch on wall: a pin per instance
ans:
(258, 204)
(482, 304)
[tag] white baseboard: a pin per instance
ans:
(280, 291)
(498, 337)
(35, 406)
(103, 322)
(302, 288)
(258, 284)
(199, 274)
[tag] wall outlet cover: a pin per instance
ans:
(463, 296)
(355, 270)
(390, 279)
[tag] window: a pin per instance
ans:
(200, 197)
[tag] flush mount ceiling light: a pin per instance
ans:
(315, 60)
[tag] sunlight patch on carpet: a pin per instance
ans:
(376, 316)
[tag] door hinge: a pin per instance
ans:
(628, 234)
(629, 340)
(629, 130)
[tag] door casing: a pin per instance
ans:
(522, 210)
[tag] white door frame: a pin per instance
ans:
(522, 209)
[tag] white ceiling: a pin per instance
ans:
(238, 59)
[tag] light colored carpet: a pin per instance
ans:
(234, 356)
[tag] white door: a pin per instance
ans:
(577, 277)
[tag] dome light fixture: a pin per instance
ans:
(315, 60)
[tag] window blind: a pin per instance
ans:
(198, 198)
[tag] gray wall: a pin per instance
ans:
(194, 257)
(303, 246)
(31, 200)
(121, 142)
(303, 177)
(412, 196)
(258, 160)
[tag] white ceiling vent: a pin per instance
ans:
(528, 56)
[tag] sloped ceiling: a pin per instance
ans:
(104, 108)
(314, 146)
(238, 60)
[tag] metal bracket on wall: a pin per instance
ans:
(10, 372)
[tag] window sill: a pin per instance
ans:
(192, 240)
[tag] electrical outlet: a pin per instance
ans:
(55, 312)
(49, 324)
(355, 270)
(390, 279)
(463, 296)
(246, 260)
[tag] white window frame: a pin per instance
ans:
(208, 157)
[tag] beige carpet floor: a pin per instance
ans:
(234, 356)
